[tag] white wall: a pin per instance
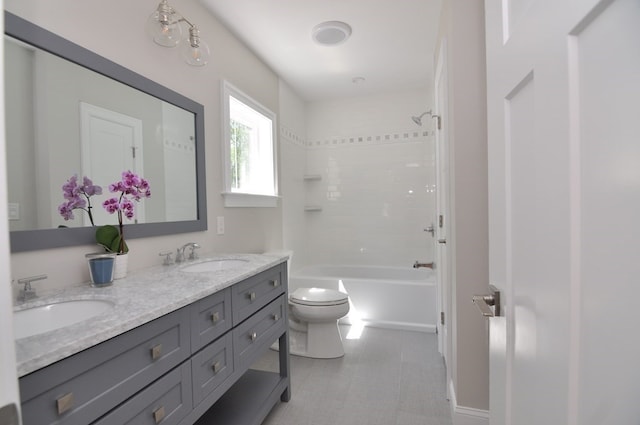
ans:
(377, 180)
(117, 33)
(293, 163)
(8, 371)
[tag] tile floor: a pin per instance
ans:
(387, 377)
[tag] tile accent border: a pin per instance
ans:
(410, 136)
(292, 137)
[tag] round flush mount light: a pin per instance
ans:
(331, 33)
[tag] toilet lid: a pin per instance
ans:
(318, 296)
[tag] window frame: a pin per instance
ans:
(245, 199)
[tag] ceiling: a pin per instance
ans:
(391, 45)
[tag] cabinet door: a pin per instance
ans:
(255, 292)
(258, 332)
(165, 402)
(210, 318)
(85, 386)
(211, 367)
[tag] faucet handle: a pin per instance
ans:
(28, 292)
(192, 254)
(27, 280)
(167, 257)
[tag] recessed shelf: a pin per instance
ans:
(312, 177)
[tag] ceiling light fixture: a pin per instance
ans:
(164, 27)
(331, 33)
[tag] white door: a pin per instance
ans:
(9, 397)
(111, 143)
(564, 185)
(442, 205)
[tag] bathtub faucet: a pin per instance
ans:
(417, 265)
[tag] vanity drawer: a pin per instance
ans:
(165, 402)
(261, 329)
(211, 367)
(254, 293)
(210, 318)
(85, 386)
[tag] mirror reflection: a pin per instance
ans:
(65, 120)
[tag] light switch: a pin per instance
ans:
(220, 225)
(14, 211)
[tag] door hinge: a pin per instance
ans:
(442, 318)
(441, 221)
(133, 151)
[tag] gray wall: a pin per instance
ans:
(462, 25)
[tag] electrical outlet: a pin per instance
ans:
(220, 225)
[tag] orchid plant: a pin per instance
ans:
(130, 188)
(78, 197)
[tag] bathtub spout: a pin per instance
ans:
(417, 265)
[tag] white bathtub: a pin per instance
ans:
(387, 297)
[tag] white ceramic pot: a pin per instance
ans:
(120, 269)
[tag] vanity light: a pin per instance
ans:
(164, 27)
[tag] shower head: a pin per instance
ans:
(418, 119)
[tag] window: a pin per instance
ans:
(249, 151)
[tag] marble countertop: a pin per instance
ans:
(142, 296)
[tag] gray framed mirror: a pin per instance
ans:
(73, 112)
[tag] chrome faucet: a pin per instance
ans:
(192, 255)
(27, 292)
(417, 265)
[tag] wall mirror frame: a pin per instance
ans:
(29, 240)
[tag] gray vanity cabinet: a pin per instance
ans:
(178, 369)
(83, 387)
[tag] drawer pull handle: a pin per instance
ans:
(216, 367)
(251, 296)
(253, 336)
(275, 283)
(215, 317)
(156, 352)
(276, 317)
(158, 414)
(64, 403)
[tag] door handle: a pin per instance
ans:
(442, 241)
(485, 302)
(431, 229)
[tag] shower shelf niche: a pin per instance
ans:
(312, 177)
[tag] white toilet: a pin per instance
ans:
(313, 320)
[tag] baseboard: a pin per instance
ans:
(384, 324)
(461, 415)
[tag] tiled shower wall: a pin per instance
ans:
(376, 191)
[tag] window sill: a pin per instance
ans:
(249, 200)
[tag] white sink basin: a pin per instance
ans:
(49, 317)
(214, 265)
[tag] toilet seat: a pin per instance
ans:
(318, 297)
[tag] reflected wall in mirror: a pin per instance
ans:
(71, 112)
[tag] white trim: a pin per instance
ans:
(388, 324)
(461, 415)
(244, 200)
(228, 90)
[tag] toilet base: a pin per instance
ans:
(328, 342)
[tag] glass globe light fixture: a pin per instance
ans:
(195, 51)
(163, 25)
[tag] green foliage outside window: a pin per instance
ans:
(239, 153)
